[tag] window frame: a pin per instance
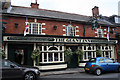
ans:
(31, 27)
(101, 34)
(72, 32)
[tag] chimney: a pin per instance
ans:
(6, 4)
(35, 5)
(95, 12)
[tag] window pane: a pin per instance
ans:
(50, 58)
(45, 57)
(35, 28)
(56, 56)
(40, 29)
(70, 30)
(61, 59)
(89, 55)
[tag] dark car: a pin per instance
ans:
(11, 70)
(101, 64)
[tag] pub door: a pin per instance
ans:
(73, 58)
(20, 54)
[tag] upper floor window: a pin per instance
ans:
(70, 30)
(35, 28)
(100, 33)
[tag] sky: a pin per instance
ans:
(82, 7)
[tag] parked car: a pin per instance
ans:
(11, 70)
(101, 64)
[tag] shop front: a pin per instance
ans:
(52, 49)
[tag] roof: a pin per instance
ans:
(26, 11)
(47, 13)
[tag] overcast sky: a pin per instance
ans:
(83, 7)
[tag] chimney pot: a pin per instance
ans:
(34, 5)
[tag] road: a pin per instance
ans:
(83, 76)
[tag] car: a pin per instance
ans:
(99, 65)
(12, 70)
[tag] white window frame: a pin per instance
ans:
(101, 34)
(39, 24)
(67, 30)
(53, 52)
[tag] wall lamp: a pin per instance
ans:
(16, 25)
(55, 27)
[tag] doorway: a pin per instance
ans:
(73, 58)
(20, 54)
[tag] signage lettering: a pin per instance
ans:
(51, 39)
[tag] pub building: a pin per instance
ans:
(52, 32)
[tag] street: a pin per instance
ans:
(82, 76)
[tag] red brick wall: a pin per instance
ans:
(10, 27)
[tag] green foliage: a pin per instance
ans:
(98, 53)
(2, 52)
(35, 54)
(68, 54)
(80, 53)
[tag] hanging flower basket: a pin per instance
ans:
(80, 53)
(35, 55)
(68, 54)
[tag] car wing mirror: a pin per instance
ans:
(12, 65)
(113, 61)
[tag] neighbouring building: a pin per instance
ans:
(52, 32)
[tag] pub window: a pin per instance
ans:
(85, 55)
(40, 58)
(89, 55)
(100, 33)
(45, 57)
(50, 57)
(103, 53)
(61, 59)
(53, 48)
(35, 28)
(70, 30)
(93, 54)
(56, 56)
(110, 54)
(107, 55)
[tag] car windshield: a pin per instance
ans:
(92, 60)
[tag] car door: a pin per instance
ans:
(102, 64)
(10, 72)
(111, 65)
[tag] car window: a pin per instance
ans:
(5, 63)
(107, 60)
(101, 60)
(92, 60)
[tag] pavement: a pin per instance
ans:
(66, 71)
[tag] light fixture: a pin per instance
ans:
(55, 27)
(16, 25)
